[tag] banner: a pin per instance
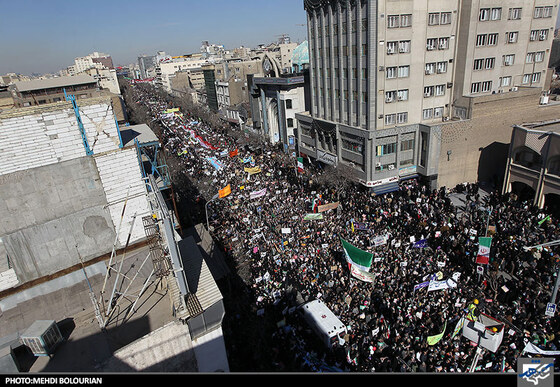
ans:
(257, 194)
(224, 191)
(544, 220)
(421, 243)
(234, 153)
(532, 348)
(365, 276)
(326, 207)
(171, 110)
(421, 285)
(361, 226)
(483, 255)
(380, 240)
(300, 164)
(355, 256)
(252, 171)
(215, 163)
(432, 340)
(313, 217)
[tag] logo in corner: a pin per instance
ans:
(535, 372)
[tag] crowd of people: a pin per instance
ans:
(259, 204)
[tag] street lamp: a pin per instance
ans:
(206, 208)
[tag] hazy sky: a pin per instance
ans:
(45, 36)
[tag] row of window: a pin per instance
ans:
(402, 95)
(488, 14)
(486, 86)
(387, 149)
(507, 60)
(491, 39)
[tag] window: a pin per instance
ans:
(486, 86)
(428, 91)
(526, 79)
(478, 64)
(475, 87)
(505, 81)
(390, 96)
(404, 46)
(496, 14)
(288, 104)
(538, 35)
(530, 58)
(427, 114)
(402, 95)
(393, 21)
(438, 112)
(407, 144)
(489, 63)
(511, 37)
(290, 122)
(404, 71)
(389, 120)
(391, 48)
(481, 40)
(514, 14)
(364, 24)
(492, 39)
(539, 56)
(508, 59)
(406, 20)
(443, 43)
(430, 68)
(442, 67)
(364, 49)
(440, 90)
(433, 19)
(536, 78)
(431, 44)
(391, 72)
(542, 12)
(445, 18)
(484, 14)
(386, 149)
(364, 96)
(402, 118)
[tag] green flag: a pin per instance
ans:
(436, 338)
(544, 220)
(355, 256)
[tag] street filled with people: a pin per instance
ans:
(432, 263)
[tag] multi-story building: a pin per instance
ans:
(166, 68)
(385, 75)
(146, 65)
(95, 59)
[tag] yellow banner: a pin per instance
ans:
(253, 170)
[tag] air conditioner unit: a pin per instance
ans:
(390, 51)
(381, 68)
(401, 98)
(427, 94)
(391, 166)
(514, 88)
(378, 164)
(428, 72)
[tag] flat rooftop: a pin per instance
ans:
(40, 84)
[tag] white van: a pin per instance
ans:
(324, 323)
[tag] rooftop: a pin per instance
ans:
(39, 84)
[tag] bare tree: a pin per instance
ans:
(339, 177)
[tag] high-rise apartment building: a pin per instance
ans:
(384, 72)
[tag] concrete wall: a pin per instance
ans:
(479, 145)
(52, 213)
(58, 204)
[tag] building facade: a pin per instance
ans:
(384, 72)
(533, 165)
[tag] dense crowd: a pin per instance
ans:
(293, 260)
